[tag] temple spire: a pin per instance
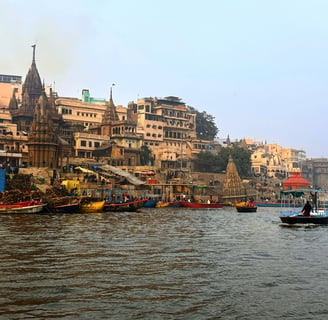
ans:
(111, 92)
(33, 57)
(110, 113)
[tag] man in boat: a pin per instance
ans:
(307, 209)
(314, 197)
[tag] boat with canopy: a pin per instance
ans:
(318, 214)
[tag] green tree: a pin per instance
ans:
(242, 160)
(217, 162)
(205, 125)
(146, 158)
(206, 162)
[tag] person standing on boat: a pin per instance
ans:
(307, 209)
(315, 200)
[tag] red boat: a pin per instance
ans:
(31, 206)
(204, 205)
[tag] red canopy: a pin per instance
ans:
(295, 181)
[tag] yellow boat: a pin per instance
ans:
(161, 204)
(92, 207)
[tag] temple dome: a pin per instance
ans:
(295, 181)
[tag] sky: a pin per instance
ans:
(259, 67)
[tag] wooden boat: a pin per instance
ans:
(246, 207)
(92, 207)
(162, 204)
(150, 203)
(66, 208)
(301, 219)
(297, 215)
(66, 204)
(175, 204)
(199, 205)
(130, 206)
(24, 207)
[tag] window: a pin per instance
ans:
(97, 144)
(66, 111)
(83, 143)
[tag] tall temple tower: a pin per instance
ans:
(110, 116)
(31, 92)
(43, 142)
(233, 188)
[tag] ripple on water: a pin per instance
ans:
(161, 264)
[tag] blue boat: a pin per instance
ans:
(150, 203)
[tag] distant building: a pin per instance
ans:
(316, 171)
(9, 85)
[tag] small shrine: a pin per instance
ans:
(233, 188)
(295, 181)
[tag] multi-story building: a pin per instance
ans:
(168, 128)
(86, 143)
(316, 171)
(9, 85)
(273, 160)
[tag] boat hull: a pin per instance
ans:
(300, 219)
(23, 210)
(201, 205)
(246, 209)
(130, 206)
(161, 204)
(67, 208)
(150, 204)
(92, 207)
(175, 204)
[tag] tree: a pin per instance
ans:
(146, 158)
(217, 162)
(242, 160)
(205, 125)
(207, 162)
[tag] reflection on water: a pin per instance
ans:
(168, 263)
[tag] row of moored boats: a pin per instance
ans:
(291, 206)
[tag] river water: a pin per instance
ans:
(169, 263)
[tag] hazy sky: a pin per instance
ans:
(258, 66)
